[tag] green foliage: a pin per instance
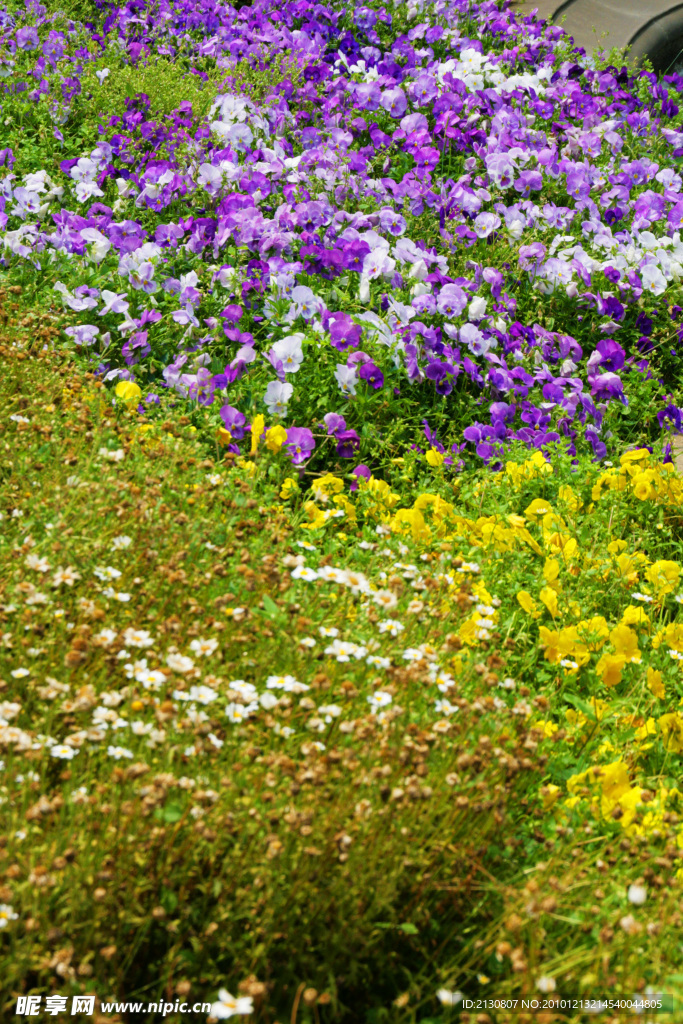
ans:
(259, 82)
(157, 86)
(86, 11)
(163, 82)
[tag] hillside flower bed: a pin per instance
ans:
(341, 565)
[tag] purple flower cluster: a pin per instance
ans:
(429, 212)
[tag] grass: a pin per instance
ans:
(263, 856)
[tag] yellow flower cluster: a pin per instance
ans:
(615, 798)
(643, 477)
(521, 473)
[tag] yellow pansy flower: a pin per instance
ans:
(257, 427)
(434, 458)
(655, 684)
(289, 488)
(549, 599)
(128, 391)
(610, 667)
(527, 603)
(275, 438)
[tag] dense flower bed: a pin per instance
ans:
(369, 673)
(435, 226)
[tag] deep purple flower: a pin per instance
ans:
(644, 323)
(348, 443)
(608, 386)
(136, 348)
(599, 447)
(501, 411)
(354, 254)
(372, 374)
(436, 371)
(528, 182)
(432, 438)
(358, 358)
(608, 356)
(495, 279)
(671, 414)
(232, 314)
(364, 18)
(476, 432)
(344, 333)
(486, 451)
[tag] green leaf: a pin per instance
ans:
(169, 814)
(169, 900)
(408, 929)
(269, 606)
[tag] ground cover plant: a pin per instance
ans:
(341, 537)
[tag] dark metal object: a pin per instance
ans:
(651, 28)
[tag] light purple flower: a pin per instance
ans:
(391, 222)
(334, 422)
(346, 378)
(277, 396)
(185, 317)
(474, 339)
(83, 334)
(27, 38)
(113, 303)
(368, 96)
(173, 371)
(452, 300)
(424, 90)
(289, 353)
(485, 224)
(300, 443)
(394, 102)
